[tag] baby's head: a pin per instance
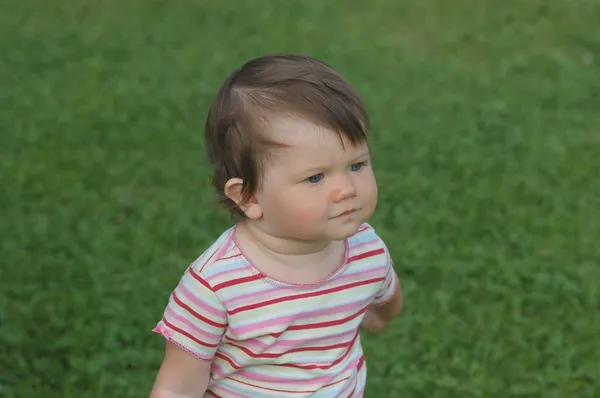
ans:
(287, 137)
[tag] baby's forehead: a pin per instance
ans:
(295, 132)
(305, 149)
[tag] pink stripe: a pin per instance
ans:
(285, 320)
(360, 376)
(225, 392)
(227, 243)
(179, 320)
(360, 393)
(229, 353)
(218, 370)
(201, 304)
(358, 246)
(244, 298)
(385, 289)
(297, 361)
(279, 345)
(201, 262)
(389, 291)
(248, 377)
(241, 270)
(217, 253)
(265, 295)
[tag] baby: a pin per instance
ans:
(274, 306)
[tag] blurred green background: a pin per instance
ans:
(486, 132)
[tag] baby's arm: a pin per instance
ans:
(181, 375)
(193, 325)
(387, 303)
(393, 307)
(377, 316)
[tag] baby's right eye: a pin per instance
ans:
(315, 179)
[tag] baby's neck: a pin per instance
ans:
(280, 245)
(288, 260)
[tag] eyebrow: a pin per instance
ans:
(320, 169)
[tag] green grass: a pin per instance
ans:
(486, 125)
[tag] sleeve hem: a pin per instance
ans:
(168, 335)
(382, 303)
(379, 303)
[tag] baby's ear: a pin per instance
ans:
(249, 205)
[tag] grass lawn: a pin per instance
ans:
(486, 122)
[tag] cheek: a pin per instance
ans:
(307, 200)
(306, 204)
(369, 187)
(297, 204)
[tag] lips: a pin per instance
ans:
(346, 213)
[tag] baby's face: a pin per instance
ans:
(316, 186)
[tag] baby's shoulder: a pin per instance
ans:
(367, 248)
(220, 262)
(366, 234)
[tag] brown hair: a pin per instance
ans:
(281, 83)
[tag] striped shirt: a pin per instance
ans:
(267, 338)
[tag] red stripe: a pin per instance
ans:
(207, 261)
(336, 382)
(304, 295)
(385, 288)
(307, 367)
(340, 359)
(301, 349)
(188, 335)
(230, 257)
(352, 392)
(328, 323)
(270, 389)
(291, 391)
(370, 253)
(228, 360)
(201, 280)
(197, 315)
(361, 362)
(275, 335)
(238, 281)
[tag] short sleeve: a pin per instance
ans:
(389, 284)
(194, 318)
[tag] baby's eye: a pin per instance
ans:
(315, 179)
(357, 166)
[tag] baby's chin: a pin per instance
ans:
(344, 231)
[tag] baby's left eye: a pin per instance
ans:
(357, 166)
